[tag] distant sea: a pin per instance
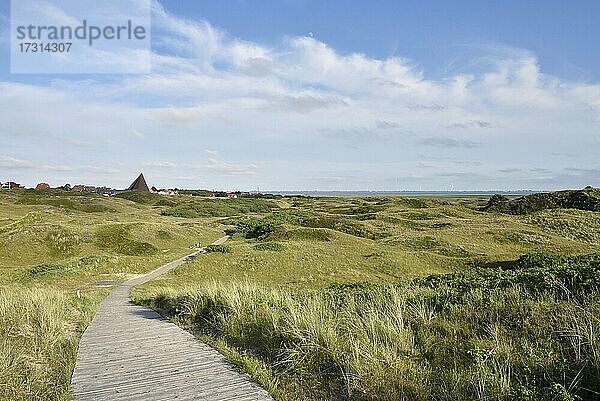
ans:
(437, 194)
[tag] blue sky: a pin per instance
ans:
(325, 95)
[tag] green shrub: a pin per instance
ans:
(164, 235)
(563, 275)
(45, 268)
(217, 249)
(86, 263)
(586, 199)
(255, 228)
(412, 203)
(300, 234)
(262, 228)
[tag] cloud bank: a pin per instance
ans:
(301, 115)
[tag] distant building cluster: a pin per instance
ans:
(169, 191)
(93, 190)
(11, 185)
(138, 185)
(106, 191)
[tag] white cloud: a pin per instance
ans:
(161, 164)
(134, 132)
(215, 166)
(301, 102)
(14, 163)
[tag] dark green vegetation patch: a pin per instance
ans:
(271, 225)
(286, 233)
(585, 199)
(217, 249)
(565, 275)
(84, 264)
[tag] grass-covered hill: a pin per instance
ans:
(585, 199)
(400, 299)
(379, 298)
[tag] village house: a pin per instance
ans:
(106, 191)
(11, 185)
(41, 186)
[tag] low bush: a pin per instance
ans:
(217, 249)
(585, 199)
(84, 264)
(536, 272)
(269, 225)
(62, 242)
(300, 234)
(255, 228)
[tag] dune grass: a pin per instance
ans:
(405, 342)
(39, 334)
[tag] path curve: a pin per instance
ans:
(129, 352)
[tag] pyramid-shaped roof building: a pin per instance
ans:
(139, 184)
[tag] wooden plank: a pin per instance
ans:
(129, 352)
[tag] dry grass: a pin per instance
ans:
(39, 334)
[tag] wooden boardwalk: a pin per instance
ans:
(129, 352)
